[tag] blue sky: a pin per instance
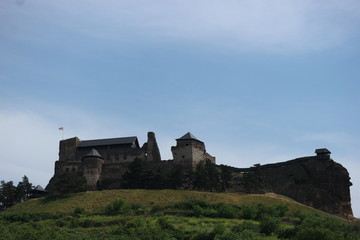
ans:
(257, 81)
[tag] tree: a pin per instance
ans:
(252, 180)
(23, 189)
(136, 174)
(141, 174)
(207, 177)
(177, 177)
(225, 177)
(11, 194)
(8, 195)
(69, 183)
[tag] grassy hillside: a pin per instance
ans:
(171, 214)
(97, 200)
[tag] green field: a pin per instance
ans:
(171, 214)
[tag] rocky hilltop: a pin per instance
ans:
(98, 164)
(315, 181)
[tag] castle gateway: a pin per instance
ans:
(104, 161)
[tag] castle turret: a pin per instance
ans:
(93, 162)
(322, 153)
(190, 151)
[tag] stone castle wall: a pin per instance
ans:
(113, 159)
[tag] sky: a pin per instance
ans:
(258, 81)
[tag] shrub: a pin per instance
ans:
(248, 212)
(316, 233)
(287, 233)
(117, 206)
(269, 225)
(280, 209)
(78, 211)
(164, 224)
(226, 211)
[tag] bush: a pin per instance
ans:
(78, 211)
(164, 224)
(280, 209)
(226, 211)
(248, 212)
(287, 233)
(269, 225)
(316, 234)
(117, 206)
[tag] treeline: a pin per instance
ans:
(11, 194)
(206, 177)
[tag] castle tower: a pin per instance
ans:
(322, 154)
(190, 151)
(92, 165)
(151, 148)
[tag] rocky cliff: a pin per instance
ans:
(317, 182)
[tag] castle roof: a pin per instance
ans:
(125, 141)
(93, 153)
(189, 136)
(39, 188)
(322, 151)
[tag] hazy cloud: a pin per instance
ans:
(278, 25)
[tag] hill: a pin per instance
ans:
(97, 200)
(170, 214)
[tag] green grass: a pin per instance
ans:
(164, 214)
(97, 200)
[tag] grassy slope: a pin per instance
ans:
(97, 200)
(145, 224)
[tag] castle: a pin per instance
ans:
(104, 161)
(316, 181)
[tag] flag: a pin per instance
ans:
(61, 128)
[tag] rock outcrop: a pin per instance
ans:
(315, 181)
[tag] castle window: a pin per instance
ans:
(117, 156)
(73, 169)
(183, 156)
(125, 156)
(67, 169)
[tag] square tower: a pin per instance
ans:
(190, 151)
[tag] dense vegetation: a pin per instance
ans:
(206, 177)
(11, 194)
(170, 214)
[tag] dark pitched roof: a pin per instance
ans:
(322, 151)
(93, 153)
(188, 136)
(131, 141)
(39, 188)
